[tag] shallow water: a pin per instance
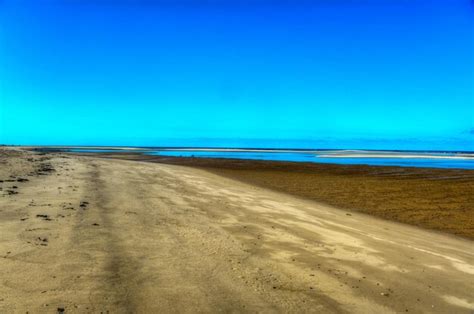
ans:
(464, 160)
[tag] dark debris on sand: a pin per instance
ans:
(44, 216)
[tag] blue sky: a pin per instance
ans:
(122, 72)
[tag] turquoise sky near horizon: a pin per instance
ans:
(123, 72)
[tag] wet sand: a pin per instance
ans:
(86, 234)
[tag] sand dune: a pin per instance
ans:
(83, 234)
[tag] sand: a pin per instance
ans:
(85, 234)
(437, 199)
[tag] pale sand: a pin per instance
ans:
(164, 238)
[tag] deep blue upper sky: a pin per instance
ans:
(123, 72)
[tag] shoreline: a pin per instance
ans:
(431, 198)
(90, 234)
(385, 158)
(64, 148)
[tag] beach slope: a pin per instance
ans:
(84, 234)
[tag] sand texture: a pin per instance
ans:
(437, 199)
(84, 234)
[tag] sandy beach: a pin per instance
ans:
(431, 198)
(87, 234)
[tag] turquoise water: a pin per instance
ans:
(464, 160)
(314, 157)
